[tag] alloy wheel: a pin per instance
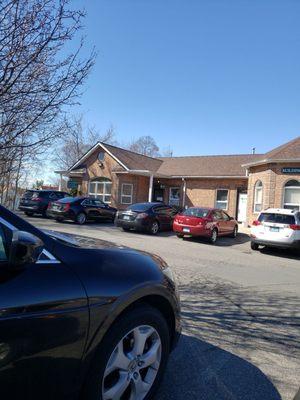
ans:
(81, 218)
(154, 228)
(133, 365)
(214, 236)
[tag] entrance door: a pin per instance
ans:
(174, 196)
(242, 207)
(158, 194)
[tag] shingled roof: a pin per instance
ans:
(134, 161)
(287, 151)
(224, 165)
(193, 166)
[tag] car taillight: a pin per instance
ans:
(142, 215)
(256, 223)
(49, 205)
(36, 199)
(67, 206)
(295, 227)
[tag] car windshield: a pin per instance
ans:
(139, 207)
(196, 212)
(277, 218)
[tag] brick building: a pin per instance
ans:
(241, 184)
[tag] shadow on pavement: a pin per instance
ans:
(223, 241)
(198, 370)
(262, 325)
(292, 254)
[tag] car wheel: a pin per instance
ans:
(179, 235)
(254, 246)
(44, 214)
(154, 228)
(126, 229)
(214, 236)
(29, 214)
(235, 232)
(130, 362)
(81, 218)
(59, 219)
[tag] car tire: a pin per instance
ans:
(29, 214)
(254, 246)
(80, 218)
(59, 219)
(126, 229)
(180, 235)
(213, 236)
(140, 320)
(154, 228)
(235, 232)
(44, 214)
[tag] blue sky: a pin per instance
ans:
(206, 77)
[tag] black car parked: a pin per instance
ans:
(37, 201)
(95, 322)
(147, 217)
(80, 209)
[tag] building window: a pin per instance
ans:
(292, 195)
(174, 197)
(222, 199)
(100, 188)
(258, 197)
(126, 193)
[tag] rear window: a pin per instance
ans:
(277, 218)
(196, 212)
(69, 199)
(30, 193)
(139, 207)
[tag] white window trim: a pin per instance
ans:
(130, 196)
(95, 194)
(216, 199)
(255, 198)
(170, 189)
(285, 188)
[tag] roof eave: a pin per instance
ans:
(271, 160)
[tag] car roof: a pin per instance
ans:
(285, 211)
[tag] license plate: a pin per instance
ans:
(126, 217)
(274, 229)
(186, 230)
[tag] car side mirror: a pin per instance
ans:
(25, 249)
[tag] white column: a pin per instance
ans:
(60, 182)
(184, 192)
(150, 188)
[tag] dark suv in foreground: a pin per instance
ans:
(99, 323)
(80, 210)
(37, 201)
(147, 217)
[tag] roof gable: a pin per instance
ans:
(290, 150)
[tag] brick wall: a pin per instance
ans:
(273, 185)
(95, 170)
(140, 188)
(203, 192)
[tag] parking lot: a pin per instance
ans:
(241, 313)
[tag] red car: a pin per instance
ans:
(207, 222)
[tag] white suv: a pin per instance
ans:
(276, 227)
